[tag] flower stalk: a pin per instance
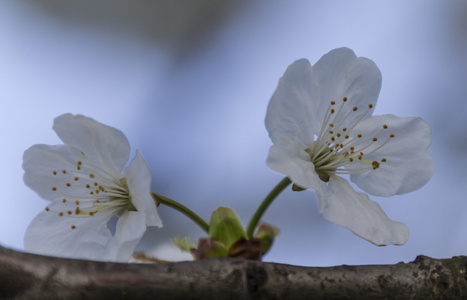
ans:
(265, 204)
(183, 209)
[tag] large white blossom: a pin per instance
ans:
(321, 125)
(86, 184)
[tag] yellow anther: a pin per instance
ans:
(375, 164)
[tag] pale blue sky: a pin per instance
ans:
(198, 119)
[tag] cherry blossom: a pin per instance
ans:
(87, 185)
(323, 132)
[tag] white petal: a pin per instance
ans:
(293, 106)
(341, 74)
(51, 234)
(287, 157)
(104, 146)
(344, 206)
(130, 229)
(39, 163)
(139, 183)
(408, 166)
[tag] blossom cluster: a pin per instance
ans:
(325, 138)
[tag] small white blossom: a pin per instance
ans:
(87, 185)
(320, 122)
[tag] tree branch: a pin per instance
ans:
(29, 276)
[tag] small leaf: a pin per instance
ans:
(208, 248)
(267, 233)
(246, 249)
(297, 188)
(183, 244)
(225, 226)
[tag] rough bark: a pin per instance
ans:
(28, 276)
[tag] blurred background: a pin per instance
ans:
(188, 82)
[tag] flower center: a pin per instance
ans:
(89, 191)
(342, 150)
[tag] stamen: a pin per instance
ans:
(333, 150)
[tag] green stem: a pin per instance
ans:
(183, 209)
(265, 204)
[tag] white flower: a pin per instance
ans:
(320, 122)
(86, 184)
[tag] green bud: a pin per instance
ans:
(225, 226)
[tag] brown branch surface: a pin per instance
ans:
(28, 276)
